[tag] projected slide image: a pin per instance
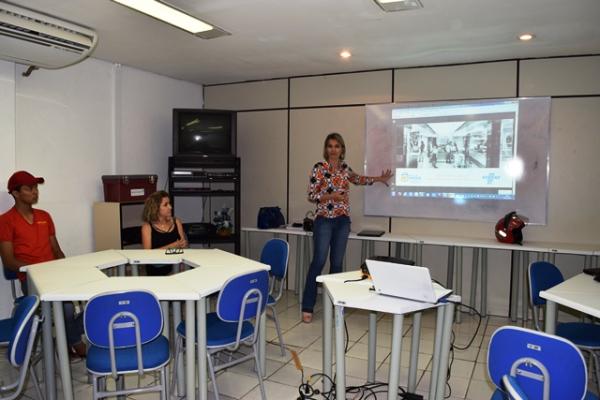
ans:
(456, 148)
(467, 159)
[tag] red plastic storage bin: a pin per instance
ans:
(128, 188)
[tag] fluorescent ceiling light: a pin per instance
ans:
(398, 5)
(167, 14)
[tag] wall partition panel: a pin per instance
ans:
(339, 89)
(247, 95)
(471, 81)
(573, 215)
(560, 76)
(262, 148)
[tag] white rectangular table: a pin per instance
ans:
(80, 278)
(581, 293)
(340, 294)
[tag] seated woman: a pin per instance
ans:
(160, 229)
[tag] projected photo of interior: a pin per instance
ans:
(439, 148)
(468, 160)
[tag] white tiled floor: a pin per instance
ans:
(468, 376)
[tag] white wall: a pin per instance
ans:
(7, 157)
(73, 125)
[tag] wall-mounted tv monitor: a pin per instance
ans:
(204, 132)
(473, 160)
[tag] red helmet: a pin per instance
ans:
(509, 228)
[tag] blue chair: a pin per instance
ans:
(21, 345)
(535, 366)
(124, 330)
(544, 275)
(276, 254)
(242, 298)
(11, 276)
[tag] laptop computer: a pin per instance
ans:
(405, 281)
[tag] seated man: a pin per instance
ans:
(27, 237)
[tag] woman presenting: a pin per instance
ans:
(160, 229)
(328, 188)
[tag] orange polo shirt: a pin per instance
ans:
(31, 242)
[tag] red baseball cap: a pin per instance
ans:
(21, 178)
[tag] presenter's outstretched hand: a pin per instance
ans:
(385, 177)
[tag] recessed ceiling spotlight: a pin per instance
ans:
(398, 5)
(170, 15)
(345, 54)
(525, 37)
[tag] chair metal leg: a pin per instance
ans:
(211, 370)
(95, 387)
(258, 374)
(36, 383)
(279, 335)
(164, 381)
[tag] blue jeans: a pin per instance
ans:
(327, 233)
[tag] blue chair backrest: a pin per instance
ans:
(542, 276)
(103, 307)
(8, 274)
(229, 304)
(275, 253)
(510, 348)
(23, 317)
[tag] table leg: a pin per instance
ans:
(444, 351)
(419, 253)
(262, 344)
(201, 348)
(459, 271)
(50, 377)
(450, 268)
(247, 245)
(474, 271)
(484, 283)
(552, 258)
(190, 342)
(514, 285)
(395, 357)
(135, 270)
(180, 376)
(372, 357)
(298, 263)
(327, 348)
(437, 345)
(63, 354)
(121, 269)
(550, 317)
(525, 292)
(340, 355)
(414, 352)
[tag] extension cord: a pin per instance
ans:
(412, 396)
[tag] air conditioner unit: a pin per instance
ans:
(31, 38)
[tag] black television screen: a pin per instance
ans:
(204, 132)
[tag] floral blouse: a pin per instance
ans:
(324, 179)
